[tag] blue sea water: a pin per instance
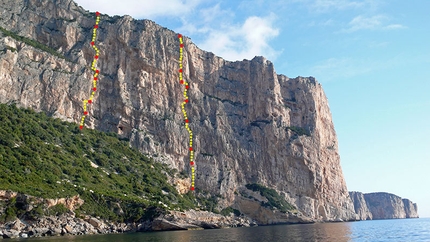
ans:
(402, 230)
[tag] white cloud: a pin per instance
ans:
(207, 20)
(215, 14)
(141, 8)
(395, 26)
(326, 5)
(215, 28)
(237, 42)
(322, 6)
(376, 22)
(361, 22)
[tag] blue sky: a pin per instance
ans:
(372, 58)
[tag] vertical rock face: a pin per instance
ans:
(360, 206)
(411, 209)
(381, 205)
(385, 205)
(250, 124)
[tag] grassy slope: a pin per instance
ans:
(49, 158)
(31, 42)
(273, 198)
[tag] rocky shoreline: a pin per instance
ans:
(61, 225)
(68, 224)
(25, 224)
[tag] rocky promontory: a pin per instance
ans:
(265, 144)
(34, 219)
(69, 224)
(61, 225)
(382, 205)
(250, 124)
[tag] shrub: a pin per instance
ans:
(57, 210)
(36, 212)
(11, 48)
(274, 199)
(299, 130)
(229, 210)
(32, 42)
(12, 210)
(49, 158)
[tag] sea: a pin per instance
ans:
(402, 230)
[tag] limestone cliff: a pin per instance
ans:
(250, 124)
(360, 206)
(411, 209)
(381, 205)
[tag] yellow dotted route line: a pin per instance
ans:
(181, 80)
(93, 68)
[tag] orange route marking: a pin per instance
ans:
(186, 100)
(93, 68)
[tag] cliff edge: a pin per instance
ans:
(382, 205)
(250, 124)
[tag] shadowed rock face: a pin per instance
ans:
(250, 124)
(411, 209)
(360, 206)
(381, 205)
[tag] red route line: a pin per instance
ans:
(186, 100)
(93, 68)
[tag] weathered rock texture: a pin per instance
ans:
(381, 205)
(71, 203)
(250, 124)
(360, 206)
(28, 225)
(411, 209)
(66, 224)
(192, 219)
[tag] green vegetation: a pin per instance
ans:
(10, 211)
(228, 210)
(11, 48)
(14, 208)
(49, 158)
(31, 42)
(274, 199)
(206, 154)
(62, 71)
(57, 210)
(183, 174)
(299, 130)
(208, 203)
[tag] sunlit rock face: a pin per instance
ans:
(360, 206)
(382, 205)
(411, 209)
(250, 124)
